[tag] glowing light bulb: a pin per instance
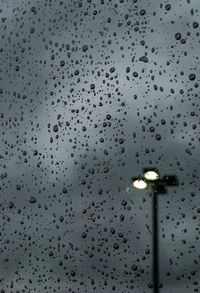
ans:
(139, 184)
(151, 175)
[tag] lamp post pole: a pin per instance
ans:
(155, 240)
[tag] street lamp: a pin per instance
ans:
(152, 176)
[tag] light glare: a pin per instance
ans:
(139, 184)
(151, 175)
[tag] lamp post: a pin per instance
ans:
(152, 176)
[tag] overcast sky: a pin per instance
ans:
(91, 93)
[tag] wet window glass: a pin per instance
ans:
(99, 146)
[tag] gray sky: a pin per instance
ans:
(92, 92)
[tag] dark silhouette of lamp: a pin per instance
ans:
(151, 176)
